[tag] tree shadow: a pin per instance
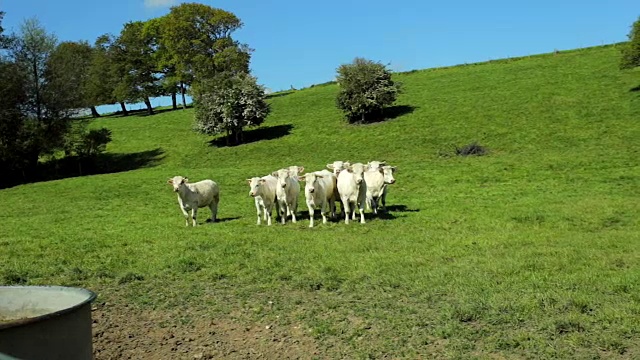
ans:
(401, 208)
(143, 112)
(259, 134)
(389, 113)
(221, 220)
(279, 94)
(72, 166)
(635, 89)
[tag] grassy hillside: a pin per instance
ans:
(528, 252)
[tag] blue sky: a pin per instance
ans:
(301, 43)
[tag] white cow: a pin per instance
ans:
(338, 166)
(353, 190)
(320, 190)
(377, 181)
(388, 178)
(295, 171)
(192, 196)
(372, 165)
(263, 190)
(287, 191)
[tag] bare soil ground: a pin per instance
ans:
(122, 332)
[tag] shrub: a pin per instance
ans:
(365, 89)
(471, 149)
(228, 104)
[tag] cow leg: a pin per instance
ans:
(186, 216)
(361, 209)
(345, 211)
(194, 215)
(293, 213)
(258, 211)
(268, 211)
(311, 211)
(214, 210)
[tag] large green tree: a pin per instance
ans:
(103, 78)
(199, 44)
(134, 63)
(228, 104)
(366, 88)
(68, 70)
(31, 50)
(631, 51)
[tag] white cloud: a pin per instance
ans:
(159, 3)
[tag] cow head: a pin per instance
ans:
(254, 185)
(177, 182)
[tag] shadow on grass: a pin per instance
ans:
(389, 113)
(262, 133)
(220, 220)
(401, 208)
(279, 94)
(139, 112)
(106, 163)
(635, 89)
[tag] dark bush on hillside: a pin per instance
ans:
(365, 89)
(227, 105)
(471, 149)
(93, 143)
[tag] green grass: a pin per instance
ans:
(531, 251)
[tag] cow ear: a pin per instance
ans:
(330, 166)
(394, 168)
(249, 181)
(300, 169)
(319, 176)
(302, 178)
(274, 174)
(170, 181)
(262, 181)
(185, 180)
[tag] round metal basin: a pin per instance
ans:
(45, 322)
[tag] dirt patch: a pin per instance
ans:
(122, 332)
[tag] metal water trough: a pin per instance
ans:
(46, 322)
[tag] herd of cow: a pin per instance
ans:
(355, 186)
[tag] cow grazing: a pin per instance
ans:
(263, 191)
(192, 196)
(320, 190)
(377, 181)
(352, 188)
(287, 191)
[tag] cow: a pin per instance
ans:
(352, 188)
(320, 190)
(287, 191)
(389, 179)
(263, 190)
(377, 181)
(192, 196)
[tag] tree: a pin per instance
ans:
(199, 45)
(102, 78)
(133, 61)
(631, 51)
(68, 70)
(228, 104)
(47, 115)
(365, 89)
(31, 50)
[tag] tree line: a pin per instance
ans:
(45, 84)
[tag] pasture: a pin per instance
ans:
(530, 251)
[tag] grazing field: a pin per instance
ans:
(530, 251)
